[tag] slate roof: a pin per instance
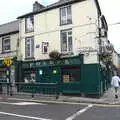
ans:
(52, 6)
(8, 28)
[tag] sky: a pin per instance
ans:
(11, 9)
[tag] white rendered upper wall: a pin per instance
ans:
(47, 28)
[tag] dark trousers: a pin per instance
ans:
(116, 92)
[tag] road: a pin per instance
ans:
(24, 110)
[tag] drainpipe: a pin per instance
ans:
(99, 33)
(99, 43)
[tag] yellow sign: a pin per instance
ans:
(8, 61)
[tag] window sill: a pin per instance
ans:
(65, 24)
(5, 52)
(29, 31)
(30, 58)
(67, 53)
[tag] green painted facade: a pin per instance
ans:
(92, 79)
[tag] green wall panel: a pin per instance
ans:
(90, 78)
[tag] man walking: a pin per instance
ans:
(115, 83)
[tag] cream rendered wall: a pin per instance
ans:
(47, 28)
(13, 39)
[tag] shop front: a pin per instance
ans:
(7, 74)
(67, 75)
(53, 72)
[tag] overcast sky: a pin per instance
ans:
(11, 9)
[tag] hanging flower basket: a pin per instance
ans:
(54, 54)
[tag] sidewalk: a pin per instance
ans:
(107, 98)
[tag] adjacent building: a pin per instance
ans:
(9, 42)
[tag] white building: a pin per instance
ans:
(73, 28)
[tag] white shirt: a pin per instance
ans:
(115, 81)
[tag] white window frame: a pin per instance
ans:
(29, 47)
(44, 44)
(67, 46)
(65, 19)
(5, 45)
(29, 24)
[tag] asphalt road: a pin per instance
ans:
(24, 110)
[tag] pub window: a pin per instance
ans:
(71, 74)
(29, 76)
(2, 74)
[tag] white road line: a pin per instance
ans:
(23, 116)
(28, 103)
(79, 112)
(23, 103)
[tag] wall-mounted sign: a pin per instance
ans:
(8, 61)
(42, 63)
(37, 46)
(86, 49)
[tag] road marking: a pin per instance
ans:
(28, 103)
(23, 103)
(72, 117)
(23, 116)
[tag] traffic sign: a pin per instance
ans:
(8, 61)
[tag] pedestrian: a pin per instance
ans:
(115, 83)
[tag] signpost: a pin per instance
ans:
(8, 62)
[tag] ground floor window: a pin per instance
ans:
(71, 74)
(2, 74)
(29, 76)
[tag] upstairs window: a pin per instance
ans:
(44, 47)
(29, 47)
(65, 15)
(29, 24)
(66, 41)
(6, 44)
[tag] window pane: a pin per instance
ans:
(32, 47)
(69, 16)
(70, 43)
(63, 16)
(64, 41)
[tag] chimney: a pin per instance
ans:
(37, 6)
